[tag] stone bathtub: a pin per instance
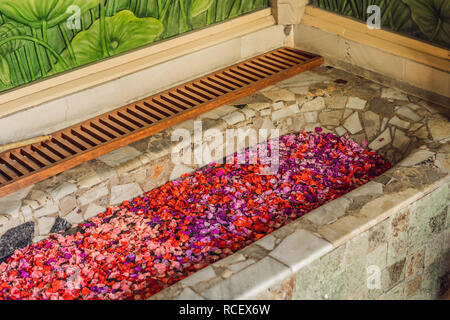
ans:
(387, 239)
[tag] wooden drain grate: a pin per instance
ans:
(85, 141)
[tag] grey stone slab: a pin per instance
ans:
(62, 190)
(378, 256)
(278, 94)
(241, 265)
(234, 118)
(189, 294)
(234, 258)
(10, 208)
(416, 157)
(45, 224)
(439, 128)
(393, 94)
(353, 124)
(199, 276)
(401, 141)
(396, 121)
(313, 105)
(46, 211)
(74, 217)
(250, 281)
(16, 196)
(371, 124)
(408, 113)
(331, 118)
(311, 117)
(371, 188)
(300, 248)
(356, 103)
(92, 195)
(286, 112)
(124, 192)
(267, 242)
(329, 212)
(307, 78)
(302, 90)
(340, 131)
(382, 140)
(93, 210)
(179, 170)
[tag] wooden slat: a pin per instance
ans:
(3, 179)
(274, 63)
(76, 141)
(32, 154)
(46, 154)
(141, 115)
(166, 100)
(214, 86)
(303, 54)
(85, 137)
(19, 170)
(123, 123)
(201, 86)
(63, 144)
(290, 54)
(56, 149)
(131, 118)
(191, 95)
(113, 126)
(184, 97)
(263, 71)
(267, 67)
(173, 100)
(10, 173)
(250, 71)
(97, 134)
(167, 108)
(282, 61)
(235, 77)
(158, 109)
(221, 83)
(95, 137)
(148, 112)
(25, 161)
(200, 91)
(285, 58)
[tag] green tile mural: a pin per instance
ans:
(41, 38)
(424, 19)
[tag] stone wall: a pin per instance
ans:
(411, 249)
